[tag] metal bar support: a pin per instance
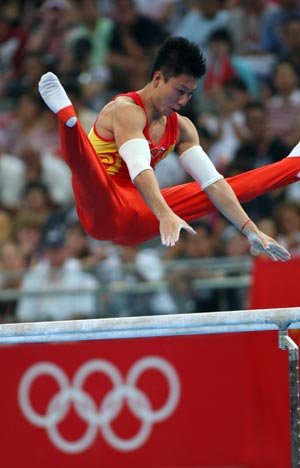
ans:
(286, 342)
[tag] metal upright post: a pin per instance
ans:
(286, 342)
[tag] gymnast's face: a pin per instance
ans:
(172, 94)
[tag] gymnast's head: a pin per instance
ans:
(178, 66)
(178, 56)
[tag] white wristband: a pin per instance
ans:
(137, 156)
(196, 163)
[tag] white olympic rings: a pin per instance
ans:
(123, 390)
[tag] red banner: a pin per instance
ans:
(193, 401)
(275, 284)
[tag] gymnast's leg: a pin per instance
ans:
(101, 204)
(190, 202)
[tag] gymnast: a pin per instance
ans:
(115, 188)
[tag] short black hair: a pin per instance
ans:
(221, 35)
(178, 56)
(256, 105)
(235, 83)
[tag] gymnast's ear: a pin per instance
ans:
(158, 77)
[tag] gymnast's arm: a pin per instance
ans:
(128, 122)
(198, 165)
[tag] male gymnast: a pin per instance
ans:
(116, 192)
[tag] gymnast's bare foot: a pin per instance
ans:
(54, 95)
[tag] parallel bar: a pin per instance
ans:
(285, 342)
(150, 326)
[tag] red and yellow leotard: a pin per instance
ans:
(108, 152)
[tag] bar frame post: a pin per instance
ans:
(286, 343)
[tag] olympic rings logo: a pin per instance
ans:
(123, 390)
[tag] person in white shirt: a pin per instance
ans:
(57, 288)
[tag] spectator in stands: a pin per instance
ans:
(291, 42)
(177, 252)
(64, 290)
(183, 278)
(249, 22)
(25, 115)
(233, 244)
(274, 28)
(12, 182)
(50, 34)
(32, 166)
(134, 40)
(202, 245)
(26, 119)
(165, 12)
(94, 82)
(36, 202)
(287, 216)
(80, 246)
(28, 231)
(13, 39)
(44, 136)
(227, 128)
(12, 265)
(94, 27)
(223, 65)
(203, 17)
(52, 172)
(6, 224)
(32, 64)
(284, 105)
(261, 147)
(133, 267)
(88, 46)
(169, 172)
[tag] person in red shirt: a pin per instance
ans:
(117, 194)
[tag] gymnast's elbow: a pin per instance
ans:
(214, 185)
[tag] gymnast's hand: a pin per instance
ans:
(262, 243)
(170, 226)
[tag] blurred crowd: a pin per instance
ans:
(246, 110)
